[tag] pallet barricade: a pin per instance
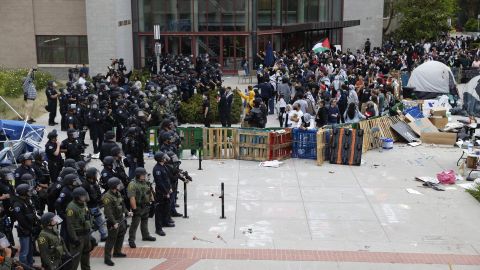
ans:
(192, 137)
(378, 128)
(304, 143)
(219, 143)
(261, 145)
(346, 146)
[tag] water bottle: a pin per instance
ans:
(470, 147)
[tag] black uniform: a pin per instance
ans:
(106, 174)
(28, 225)
(73, 147)
(51, 104)
(6, 216)
(43, 177)
(95, 120)
(106, 148)
(20, 171)
(55, 163)
(162, 192)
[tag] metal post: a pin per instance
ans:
(222, 196)
(200, 153)
(185, 215)
(158, 46)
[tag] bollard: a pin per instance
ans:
(200, 152)
(185, 215)
(222, 196)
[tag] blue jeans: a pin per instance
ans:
(26, 250)
(99, 222)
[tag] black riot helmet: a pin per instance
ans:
(80, 194)
(108, 161)
(6, 174)
(139, 171)
(91, 172)
(70, 163)
(72, 180)
(52, 134)
(24, 190)
(115, 183)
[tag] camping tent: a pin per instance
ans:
(432, 79)
(471, 96)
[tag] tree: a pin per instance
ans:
(471, 25)
(424, 19)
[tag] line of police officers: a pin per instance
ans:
(72, 193)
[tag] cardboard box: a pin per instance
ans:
(439, 122)
(423, 125)
(439, 138)
(439, 111)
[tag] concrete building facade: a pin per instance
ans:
(58, 34)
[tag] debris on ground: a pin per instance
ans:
(271, 163)
(200, 239)
(413, 191)
(221, 238)
(430, 182)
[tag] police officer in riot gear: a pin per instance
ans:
(107, 172)
(26, 161)
(71, 146)
(42, 176)
(108, 145)
(53, 251)
(28, 223)
(140, 196)
(54, 157)
(115, 211)
(163, 191)
(79, 225)
(52, 97)
(95, 194)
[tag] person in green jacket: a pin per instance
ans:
(79, 225)
(115, 210)
(53, 251)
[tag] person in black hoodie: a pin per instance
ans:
(321, 118)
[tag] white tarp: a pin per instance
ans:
(432, 76)
(471, 96)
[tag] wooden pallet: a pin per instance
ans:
(371, 139)
(261, 145)
(218, 143)
(321, 145)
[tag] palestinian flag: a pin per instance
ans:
(322, 46)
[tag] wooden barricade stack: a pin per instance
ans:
(378, 128)
(262, 145)
(219, 143)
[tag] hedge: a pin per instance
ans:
(11, 81)
(191, 111)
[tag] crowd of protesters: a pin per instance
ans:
(309, 89)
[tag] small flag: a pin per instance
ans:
(322, 46)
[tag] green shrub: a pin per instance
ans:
(471, 25)
(11, 81)
(140, 75)
(191, 111)
(475, 192)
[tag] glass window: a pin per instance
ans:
(241, 13)
(337, 11)
(311, 12)
(323, 10)
(264, 14)
(62, 50)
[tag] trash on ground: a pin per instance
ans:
(447, 177)
(221, 238)
(200, 239)
(271, 163)
(413, 191)
(414, 144)
(331, 172)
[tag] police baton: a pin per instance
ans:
(103, 223)
(67, 261)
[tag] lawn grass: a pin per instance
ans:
(475, 192)
(18, 104)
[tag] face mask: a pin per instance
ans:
(9, 177)
(4, 243)
(57, 220)
(75, 135)
(120, 187)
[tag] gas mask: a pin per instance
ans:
(75, 135)
(57, 220)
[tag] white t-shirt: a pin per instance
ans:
(299, 115)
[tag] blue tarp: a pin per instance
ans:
(18, 142)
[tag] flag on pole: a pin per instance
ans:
(322, 46)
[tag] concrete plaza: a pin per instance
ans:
(304, 216)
